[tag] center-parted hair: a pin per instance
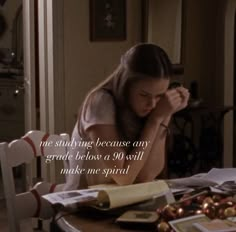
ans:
(148, 59)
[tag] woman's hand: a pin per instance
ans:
(172, 101)
(184, 93)
(169, 103)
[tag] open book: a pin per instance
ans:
(109, 197)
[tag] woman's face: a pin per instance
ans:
(145, 94)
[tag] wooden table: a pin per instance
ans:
(81, 223)
(91, 219)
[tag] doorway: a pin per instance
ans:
(12, 115)
(11, 72)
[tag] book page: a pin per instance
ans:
(68, 198)
(130, 194)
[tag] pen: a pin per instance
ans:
(190, 197)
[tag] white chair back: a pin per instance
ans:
(23, 151)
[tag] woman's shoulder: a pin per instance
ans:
(99, 109)
(102, 96)
(103, 92)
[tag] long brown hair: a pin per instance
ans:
(142, 61)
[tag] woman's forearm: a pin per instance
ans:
(149, 134)
(153, 156)
(156, 160)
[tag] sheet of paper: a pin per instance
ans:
(215, 176)
(220, 175)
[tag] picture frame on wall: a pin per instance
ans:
(107, 20)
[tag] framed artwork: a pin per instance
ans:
(107, 20)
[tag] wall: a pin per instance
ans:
(200, 40)
(229, 81)
(164, 26)
(219, 77)
(87, 63)
(208, 53)
(200, 36)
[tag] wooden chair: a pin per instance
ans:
(23, 151)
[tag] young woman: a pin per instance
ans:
(132, 105)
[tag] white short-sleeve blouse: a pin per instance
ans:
(100, 110)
